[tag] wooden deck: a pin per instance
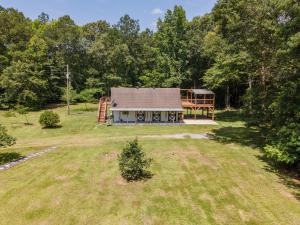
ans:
(196, 104)
(189, 104)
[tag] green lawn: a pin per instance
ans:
(220, 181)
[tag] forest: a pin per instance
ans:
(247, 51)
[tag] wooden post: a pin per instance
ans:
(187, 96)
(68, 89)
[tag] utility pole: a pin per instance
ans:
(68, 89)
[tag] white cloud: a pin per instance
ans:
(157, 11)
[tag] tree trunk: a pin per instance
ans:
(227, 98)
(250, 89)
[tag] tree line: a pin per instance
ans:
(247, 51)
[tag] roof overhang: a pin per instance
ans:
(148, 109)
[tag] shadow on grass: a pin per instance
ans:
(287, 176)
(143, 178)
(230, 116)
(254, 137)
(7, 157)
(83, 110)
(247, 136)
(52, 128)
(292, 182)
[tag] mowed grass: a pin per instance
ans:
(221, 181)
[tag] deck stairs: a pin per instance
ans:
(102, 109)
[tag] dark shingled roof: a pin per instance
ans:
(156, 99)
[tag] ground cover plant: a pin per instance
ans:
(199, 181)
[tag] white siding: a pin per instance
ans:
(116, 116)
(127, 117)
(130, 117)
(164, 116)
(148, 116)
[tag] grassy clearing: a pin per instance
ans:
(222, 181)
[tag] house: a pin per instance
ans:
(146, 105)
(155, 105)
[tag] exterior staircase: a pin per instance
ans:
(102, 109)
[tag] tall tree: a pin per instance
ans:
(198, 60)
(171, 42)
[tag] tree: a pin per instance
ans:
(43, 18)
(171, 40)
(198, 61)
(257, 43)
(133, 163)
(88, 95)
(15, 32)
(65, 44)
(26, 80)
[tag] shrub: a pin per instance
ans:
(5, 139)
(7, 157)
(49, 119)
(284, 147)
(133, 163)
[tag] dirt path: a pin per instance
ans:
(23, 159)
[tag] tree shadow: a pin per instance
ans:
(53, 106)
(288, 177)
(52, 128)
(83, 110)
(7, 157)
(255, 138)
(143, 178)
(230, 116)
(247, 136)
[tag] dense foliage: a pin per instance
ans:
(5, 138)
(247, 51)
(133, 163)
(49, 119)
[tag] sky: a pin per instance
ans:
(84, 11)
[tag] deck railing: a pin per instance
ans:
(204, 101)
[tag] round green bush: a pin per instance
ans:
(49, 119)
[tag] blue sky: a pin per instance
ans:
(84, 11)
